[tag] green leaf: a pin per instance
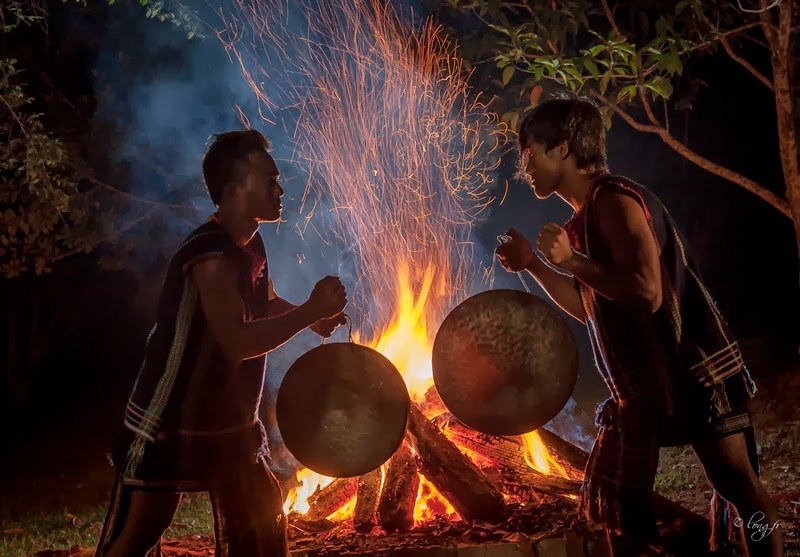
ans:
(680, 6)
(660, 86)
(627, 92)
(592, 67)
(604, 82)
(508, 73)
(597, 49)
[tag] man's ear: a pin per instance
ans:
(228, 189)
(563, 150)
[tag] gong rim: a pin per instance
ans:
(315, 430)
(512, 392)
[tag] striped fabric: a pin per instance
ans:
(192, 419)
(675, 377)
(247, 508)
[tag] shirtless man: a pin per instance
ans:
(192, 420)
(674, 370)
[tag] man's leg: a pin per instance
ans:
(726, 461)
(248, 513)
(136, 521)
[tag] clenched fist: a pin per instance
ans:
(553, 243)
(325, 327)
(328, 297)
(516, 254)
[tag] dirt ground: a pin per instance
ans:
(63, 470)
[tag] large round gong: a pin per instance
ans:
(342, 409)
(505, 362)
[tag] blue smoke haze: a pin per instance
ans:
(174, 93)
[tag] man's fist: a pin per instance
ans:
(515, 254)
(325, 327)
(328, 297)
(554, 244)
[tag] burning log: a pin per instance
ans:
(326, 501)
(456, 477)
(369, 491)
(508, 454)
(399, 494)
(505, 452)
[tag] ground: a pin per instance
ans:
(52, 500)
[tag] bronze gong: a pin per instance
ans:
(505, 362)
(342, 409)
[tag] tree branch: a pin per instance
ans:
(745, 64)
(699, 160)
(94, 243)
(649, 109)
(610, 17)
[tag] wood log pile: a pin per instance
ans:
(484, 477)
(438, 450)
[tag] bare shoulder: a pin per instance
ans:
(616, 208)
(212, 273)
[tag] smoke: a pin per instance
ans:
(164, 95)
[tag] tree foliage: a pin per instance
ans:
(51, 206)
(631, 57)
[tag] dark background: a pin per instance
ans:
(153, 99)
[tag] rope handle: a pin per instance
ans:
(349, 321)
(504, 239)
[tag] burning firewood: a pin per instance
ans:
(505, 452)
(369, 490)
(331, 498)
(508, 454)
(399, 494)
(453, 474)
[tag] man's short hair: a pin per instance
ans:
(226, 159)
(576, 121)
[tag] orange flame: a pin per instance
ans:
(309, 482)
(538, 457)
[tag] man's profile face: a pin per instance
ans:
(262, 190)
(543, 169)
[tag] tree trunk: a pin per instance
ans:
(778, 31)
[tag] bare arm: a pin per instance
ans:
(277, 305)
(561, 288)
(634, 275)
(215, 280)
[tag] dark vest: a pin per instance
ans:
(674, 361)
(186, 382)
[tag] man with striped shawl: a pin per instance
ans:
(673, 368)
(192, 419)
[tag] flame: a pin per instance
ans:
(431, 504)
(406, 342)
(399, 154)
(538, 457)
(308, 483)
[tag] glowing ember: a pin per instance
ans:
(431, 504)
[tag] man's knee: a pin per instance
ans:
(736, 485)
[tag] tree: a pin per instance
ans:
(630, 56)
(53, 207)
